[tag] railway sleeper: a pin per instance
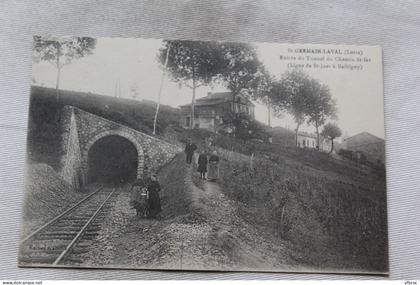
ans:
(76, 220)
(95, 230)
(55, 237)
(83, 244)
(94, 227)
(60, 233)
(36, 260)
(52, 244)
(66, 229)
(81, 215)
(90, 233)
(81, 220)
(89, 238)
(74, 224)
(37, 255)
(42, 250)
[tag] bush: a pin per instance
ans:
(346, 153)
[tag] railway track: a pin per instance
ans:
(68, 235)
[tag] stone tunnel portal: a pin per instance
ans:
(112, 159)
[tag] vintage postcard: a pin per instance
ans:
(213, 156)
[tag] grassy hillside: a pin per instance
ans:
(330, 212)
(333, 216)
(44, 137)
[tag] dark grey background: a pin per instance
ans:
(395, 25)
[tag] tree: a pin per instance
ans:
(241, 73)
(305, 98)
(320, 105)
(162, 80)
(292, 93)
(263, 87)
(242, 69)
(331, 131)
(61, 51)
(192, 64)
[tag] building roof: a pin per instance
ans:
(364, 136)
(217, 98)
(372, 146)
(305, 134)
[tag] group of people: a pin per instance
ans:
(145, 197)
(208, 163)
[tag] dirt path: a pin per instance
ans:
(210, 235)
(239, 241)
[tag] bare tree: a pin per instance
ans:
(61, 51)
(162, 80)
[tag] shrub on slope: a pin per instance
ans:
(331, 223)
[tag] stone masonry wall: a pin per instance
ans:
(83, 129)
(157, 153)
(71, 161)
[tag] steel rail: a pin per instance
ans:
(79, 234)
(59, 216)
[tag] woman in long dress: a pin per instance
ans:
(153, 187)
(213, 173)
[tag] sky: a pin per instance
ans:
(132, 63)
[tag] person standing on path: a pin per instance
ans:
(202, 165)
(189, 150)
(139, 198)
(153, 187)
(213, 167)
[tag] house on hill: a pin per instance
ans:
(366, 144)
(307, 140)
(210, 110)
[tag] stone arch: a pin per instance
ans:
(116, 132)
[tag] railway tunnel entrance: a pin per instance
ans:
(113, 160)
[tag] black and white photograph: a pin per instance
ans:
(166, 154)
